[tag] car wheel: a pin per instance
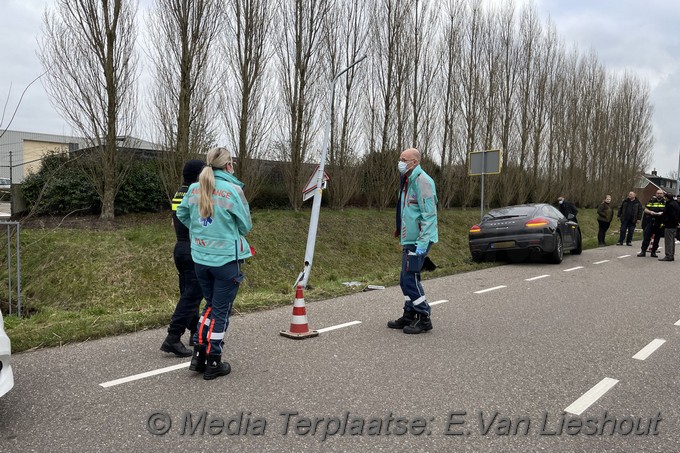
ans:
(579, 244)
(477, 257)
(558, 253)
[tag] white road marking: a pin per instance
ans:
(623, 256)
(339, 326)
(536, 278)
(437, 302)
(490, 289)
(592, 395)
(677, 323)
(145, 375)
(573, 268)
(600, 262)
(649, 349)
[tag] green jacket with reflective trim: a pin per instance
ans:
(418, 203)
(219, 239)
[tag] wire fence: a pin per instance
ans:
(10, 233)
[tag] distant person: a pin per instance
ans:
(417, 231)
(630, 213)
(670, 218)
(567, 208)
(186, 312)
(218, 216)
(605, 213)
(677, 233)
(652, 223)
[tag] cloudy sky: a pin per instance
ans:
(641, 36)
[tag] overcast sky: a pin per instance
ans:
(641, 36)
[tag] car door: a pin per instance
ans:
(563, 225)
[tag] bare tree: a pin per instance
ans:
(247, 100)
(88, 50)
(298, 50)
(346, 31)
(183, 34)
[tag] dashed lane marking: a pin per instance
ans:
(536, 278)
(573, 269)
(437, 302)
(649, 349)
(601, 262)
(623, 256)
(144, 375)
(490, 289)
(339, 326)
(592, 395)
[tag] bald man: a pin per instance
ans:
(417, 231)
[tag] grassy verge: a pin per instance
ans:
(82, 283)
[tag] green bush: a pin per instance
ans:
(67, 189)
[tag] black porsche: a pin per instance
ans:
(522, 229)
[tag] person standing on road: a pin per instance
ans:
(567, 208)
(670, 218)
(186, 312)
(630, 213)
(605, 213)
(417, 231)
(652, 223)
(218, 216)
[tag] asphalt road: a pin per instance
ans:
(551, 357)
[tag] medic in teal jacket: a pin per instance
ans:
(220, 239)
(418, 206)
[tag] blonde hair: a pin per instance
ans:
(217, 159)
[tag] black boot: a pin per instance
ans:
(198, 359)
(215, 367)
(421, 323)
(174, 345)
(653, 254)
(405, 320)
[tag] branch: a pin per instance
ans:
(18, 104)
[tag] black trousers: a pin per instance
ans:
(601, 233)
(651, 229)
(185, 316)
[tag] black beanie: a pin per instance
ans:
(191, 170)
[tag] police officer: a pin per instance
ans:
(652, 223)
(186, 312)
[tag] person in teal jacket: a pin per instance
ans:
(417, 231)
(217, 215)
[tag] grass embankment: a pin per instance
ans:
(83, 283)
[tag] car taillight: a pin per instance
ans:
(537, 223)
(475, 229)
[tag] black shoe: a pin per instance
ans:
(653, 255)
(198, 359)
(215, 368)
(665, 258)
(629, 244)
(174, 345)
(619, 243)
(406, 319)
(421, 323)
(642, 254)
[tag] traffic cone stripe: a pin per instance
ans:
(299, 311)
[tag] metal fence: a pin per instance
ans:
(12, 231)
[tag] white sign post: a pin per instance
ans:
(320, 181)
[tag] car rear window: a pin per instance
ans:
(512, 211)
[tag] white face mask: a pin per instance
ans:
(402, 167)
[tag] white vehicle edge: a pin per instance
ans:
(6, 376)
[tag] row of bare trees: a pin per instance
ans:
(446, 77)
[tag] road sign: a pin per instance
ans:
(310, 187)
(487, 162)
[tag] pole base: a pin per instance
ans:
(299, 336)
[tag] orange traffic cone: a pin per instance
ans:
(299, 329)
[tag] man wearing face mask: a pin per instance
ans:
(567, 208)
(417, 231)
